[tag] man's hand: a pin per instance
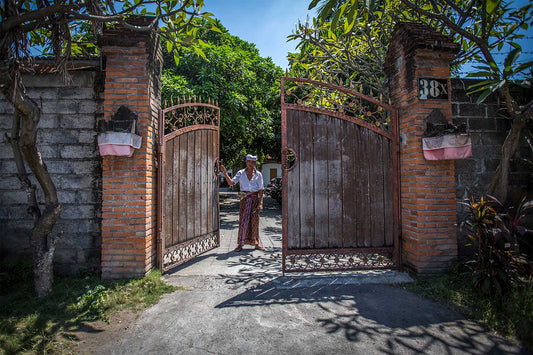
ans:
(260, 207)
(222, 169)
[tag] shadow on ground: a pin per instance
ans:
(241, 303)
(393, 318)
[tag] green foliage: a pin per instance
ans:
(480, 29)
(32, 325)
(61, 29)
(495, 80)
(347, 47)
(245, 85)
(93, 302)
(348, 39)
(511, 315)
(173, 88)
(494, 231)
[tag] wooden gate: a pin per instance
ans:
(188, 208)
(340, 179)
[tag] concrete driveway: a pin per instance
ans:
(239, 303)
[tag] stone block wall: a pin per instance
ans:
(67, 141)
(488, 126)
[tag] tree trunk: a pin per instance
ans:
(24, 143)
(499, 185)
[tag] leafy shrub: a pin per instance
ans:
(93, 303)
(494, 230)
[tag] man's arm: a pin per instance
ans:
(228, 179)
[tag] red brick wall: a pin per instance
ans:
(428, 208)
(133, 62)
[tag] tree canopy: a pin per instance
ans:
(332, 46)
(245, 85)
(348, 49)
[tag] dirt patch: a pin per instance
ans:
(91, 336)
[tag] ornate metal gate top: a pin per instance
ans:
(316, 96)
(180, 116)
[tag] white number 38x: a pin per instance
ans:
(429, 88)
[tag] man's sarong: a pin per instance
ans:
(249, 220)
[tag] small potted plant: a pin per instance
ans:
(443, 140)
(120, 134)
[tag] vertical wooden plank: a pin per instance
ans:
(190, 185)
(293, 182)
(334, 183)
(360, 158)
(307, 185)
(216, 206)
(167, 208)
(364, 178)
(205, 182)
(388, 192)
(377, 205)
(210, 173)
(175, 190)
(349, 197)
(197, 181)
(214, 184)
(320, 170)
(183, 188)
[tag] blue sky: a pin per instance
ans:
(267, 23)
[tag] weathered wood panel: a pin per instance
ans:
(197, 181)
(293, 181)
(388, 193)
(190, 199)
(334, 183)
(167, 207)
(210, 172)
(307, 184)
(182, 192)
(190, 186)
(204, 184)
(340, 193)
(377, 182)
(360, 188)
(175, 189)
(363, 175)
(213, 156)
(320, 178)
(349, 195)
(189, 192)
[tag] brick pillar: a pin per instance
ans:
(133, 65)
(428, 212)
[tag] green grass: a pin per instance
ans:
(31, 325)
(510, 315)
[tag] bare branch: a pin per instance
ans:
(37, 15)
(480, 42)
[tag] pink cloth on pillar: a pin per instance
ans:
(452, 146)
